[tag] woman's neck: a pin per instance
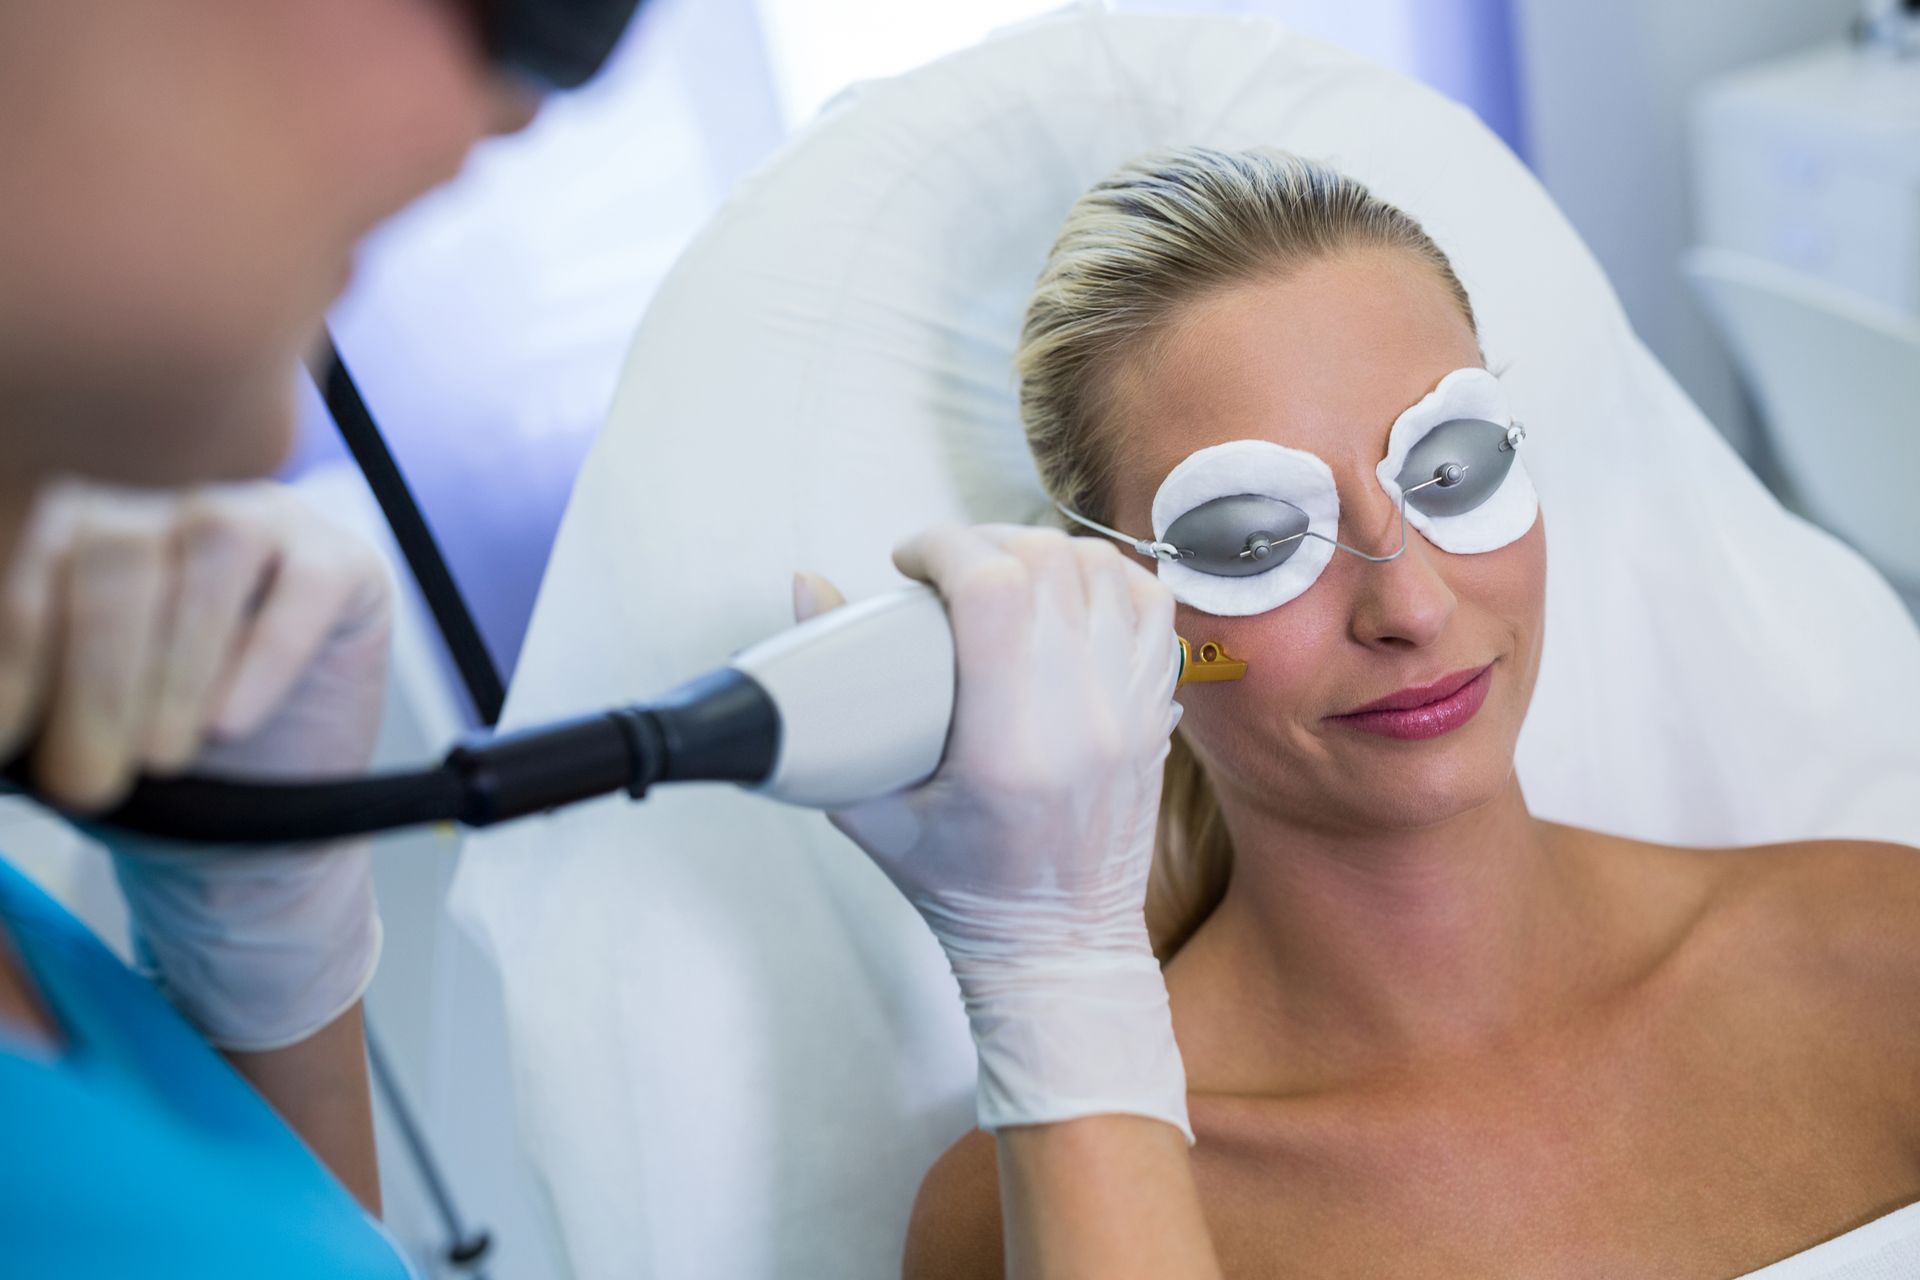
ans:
(1344, 953)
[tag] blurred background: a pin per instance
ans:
(1746, 171)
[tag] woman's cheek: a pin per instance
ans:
(1285, 653)
(1511, 584)
(1533, 570)
(1279, 637)
(1502, 596)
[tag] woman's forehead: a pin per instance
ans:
(1323, 360)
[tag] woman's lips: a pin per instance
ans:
(1425, 711)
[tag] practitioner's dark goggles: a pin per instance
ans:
(552, 44)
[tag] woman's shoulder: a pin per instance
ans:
(1803, 955)
(1830, 892)
(1834, 922)
(1798, 891)
(954, 1233)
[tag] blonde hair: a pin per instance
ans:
(1162, 231)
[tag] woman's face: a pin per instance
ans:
(187, 180)
(1324, 360)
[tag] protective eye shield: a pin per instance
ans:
(555, 44)
(1246, 526)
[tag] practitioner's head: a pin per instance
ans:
(186, 180)
(1198, 297)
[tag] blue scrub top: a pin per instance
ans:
(133, 1149)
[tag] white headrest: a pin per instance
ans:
(737, 1050)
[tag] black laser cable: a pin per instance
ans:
(414, 536)
(719, 727)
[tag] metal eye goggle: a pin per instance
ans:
(1451, 470)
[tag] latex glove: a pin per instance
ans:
(1028, 851)
(234, 631)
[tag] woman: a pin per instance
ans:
(1425, 1032)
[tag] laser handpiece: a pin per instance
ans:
(784, 719)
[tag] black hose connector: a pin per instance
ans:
(720, 727)
(540, 769)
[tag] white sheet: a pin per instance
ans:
(1888, 1248)
(736, 1051)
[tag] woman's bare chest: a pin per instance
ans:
(1635, 1166)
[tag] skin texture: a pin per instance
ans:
(1101, 1198)
(193, 176)
(200, 171)
(1426, 1033)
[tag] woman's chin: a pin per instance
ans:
(1406, 789)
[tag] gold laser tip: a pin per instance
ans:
(1209, 663)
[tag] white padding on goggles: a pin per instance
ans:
(1463, 422)
(1238, 514)
(1246, 526)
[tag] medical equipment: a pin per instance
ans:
(1807, 182)
(725, 1020)
(848, 706)
(1230, 515)
(1211, 662)
(1463, 422)
(1030, 855)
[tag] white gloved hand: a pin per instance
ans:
(234, 631)
(1028, 851)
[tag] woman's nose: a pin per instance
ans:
(1403, 602)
